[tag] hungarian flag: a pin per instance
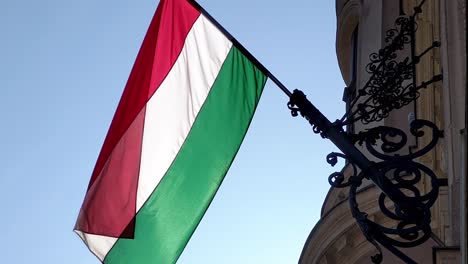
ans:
(183, 114)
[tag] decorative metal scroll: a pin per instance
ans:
(391, 85)
(412, 222)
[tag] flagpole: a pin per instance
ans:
(238, 45)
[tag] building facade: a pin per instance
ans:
(362, 26)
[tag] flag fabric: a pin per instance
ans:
(183, 114)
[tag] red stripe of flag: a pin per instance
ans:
(110, 210)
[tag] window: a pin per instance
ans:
(350, 92)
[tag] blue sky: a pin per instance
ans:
(63, 67)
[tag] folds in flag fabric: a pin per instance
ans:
(182, 117)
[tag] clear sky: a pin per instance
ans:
(63, 66)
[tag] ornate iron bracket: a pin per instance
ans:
(392, 85)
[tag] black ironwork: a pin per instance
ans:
(391, 85)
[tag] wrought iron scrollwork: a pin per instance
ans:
(336, 179)
(392, 85)
(412, 223)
